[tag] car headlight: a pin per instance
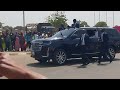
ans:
(40, 42)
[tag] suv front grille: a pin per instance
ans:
(44, 50)
(36, 46)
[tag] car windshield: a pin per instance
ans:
(64, 33)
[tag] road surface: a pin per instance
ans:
(72, 69)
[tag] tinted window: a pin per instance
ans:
(79, 33)
(112, 32)
(91, 32)
(64, 33)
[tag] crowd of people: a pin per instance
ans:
(18, 41)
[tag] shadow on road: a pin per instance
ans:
(68, 63)
(82, 66)
(44, 65)
(116, 59)
(78, 61)
(103, 64)
(50, 64)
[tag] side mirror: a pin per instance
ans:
(74, 36)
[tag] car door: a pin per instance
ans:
(94, 41)
(114, 38)
(74, 43)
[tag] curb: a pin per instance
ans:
(13, 53)
(19, 53)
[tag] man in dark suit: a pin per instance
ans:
(84, 48)
(75, 24)
(104, 45)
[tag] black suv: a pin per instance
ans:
(65, 45)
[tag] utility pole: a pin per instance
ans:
(23, 19)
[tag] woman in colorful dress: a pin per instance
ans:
(17, 44)
(21, 41)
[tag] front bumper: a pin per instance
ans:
(44, 53)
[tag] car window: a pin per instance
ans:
(112, 32)
(78, 33)
(91, 33)
(63, 33)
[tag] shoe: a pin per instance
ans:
(99, 62)
(87, 63)
(83, 64)
(110, 61)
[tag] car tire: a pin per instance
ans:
(110, 55)
(59, 57)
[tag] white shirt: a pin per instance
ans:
(102, 36)
(96, 34)
(83, 39)
(36, 36)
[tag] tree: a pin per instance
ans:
(84, 24)
(101, 24)
(1, 25)
(57, 18)
(8, 28)
(19, 28)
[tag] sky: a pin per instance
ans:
(15, 18)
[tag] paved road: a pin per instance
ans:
(72, 69)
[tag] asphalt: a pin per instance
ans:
(71, 70)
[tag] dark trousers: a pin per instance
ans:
(7, 46)
(103, 51)
(29, 44)
(22, 47)
(1, 48)
(13, 45)
(85, 58)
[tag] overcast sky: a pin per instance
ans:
(14, 18)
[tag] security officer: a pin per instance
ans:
(104, 45)
(84, 48)
(76, 24)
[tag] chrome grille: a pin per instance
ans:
(36, 47)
